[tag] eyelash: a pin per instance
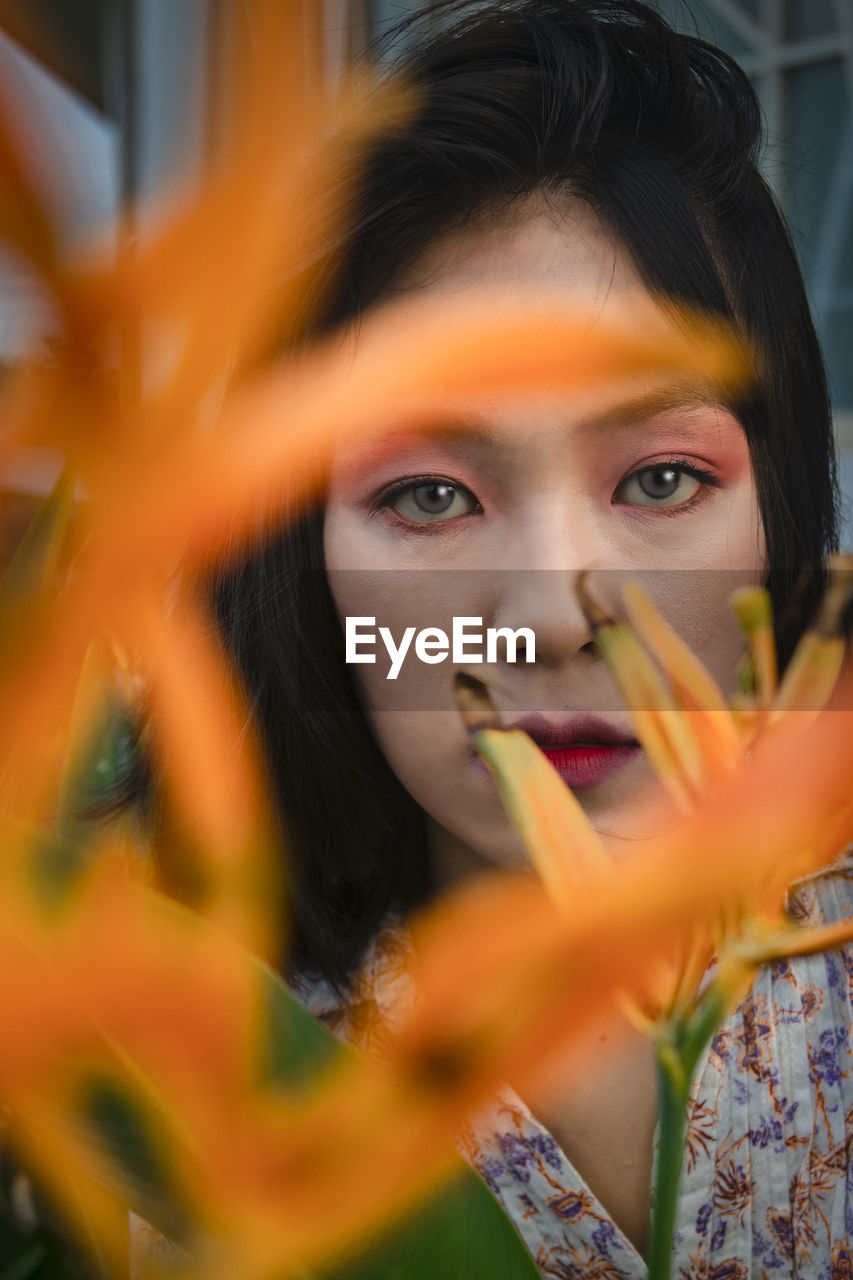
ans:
(386, 497)
(708, 479)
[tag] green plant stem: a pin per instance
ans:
(678, 1049)
(672, 1110)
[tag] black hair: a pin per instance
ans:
(659, 133)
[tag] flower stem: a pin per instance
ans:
(678, 1048)
(672, 1104)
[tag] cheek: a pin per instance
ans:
(739, 537)
(414, 718)
(426, 750)
(710, 628)
(730, 534)
(697, 603)
(343, 538)
(429, 753)
(725, 550)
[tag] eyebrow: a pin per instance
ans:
(473, 431)
(678, 396)
(626, 412)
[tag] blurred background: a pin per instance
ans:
(128, 96)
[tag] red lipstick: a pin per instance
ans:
(583, 749)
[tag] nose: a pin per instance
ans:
(545, 553)
(544, 601)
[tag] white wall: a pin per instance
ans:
(74, 152)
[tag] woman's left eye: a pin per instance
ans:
(664, 484)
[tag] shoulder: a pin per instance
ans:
(772, 1108)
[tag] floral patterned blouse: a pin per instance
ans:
(767, 1189)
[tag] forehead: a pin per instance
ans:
(552, 244)
(545, 438)
(543, 249)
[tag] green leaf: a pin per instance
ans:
(460, 1231)
(128, 1130)
(91, 788)
(45, 1257)
(295, 1045)
(35, 1251)
(37, 556)
(26, 1264)
(109, 756)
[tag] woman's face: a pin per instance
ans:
(495, 521)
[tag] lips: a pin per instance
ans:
(583, 749)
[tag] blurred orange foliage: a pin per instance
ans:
(178, 456)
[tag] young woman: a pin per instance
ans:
(576, 148)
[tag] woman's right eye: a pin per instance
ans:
(430, 500)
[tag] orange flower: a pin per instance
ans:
(773, 788)
(186, 454)
(185, 328)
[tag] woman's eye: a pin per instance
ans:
(429, 501)
(665, 484)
